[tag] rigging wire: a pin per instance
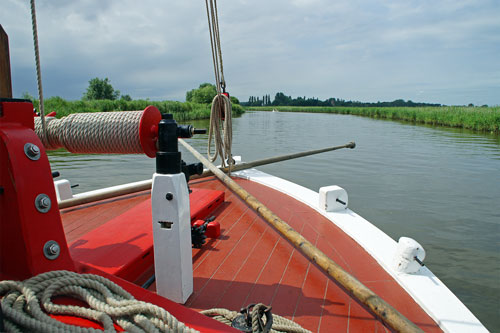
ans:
(38, 70)
(220, 129)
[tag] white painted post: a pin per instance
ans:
(63, 189)
(333, 198)
(404, 260)
(172, 236)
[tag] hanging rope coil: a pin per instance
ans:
(26, 305)
(221, 131)
(93, 133)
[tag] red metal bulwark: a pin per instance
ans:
(24, 230)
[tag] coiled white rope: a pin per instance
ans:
(26, 305)
(93, 133)
(221, 131)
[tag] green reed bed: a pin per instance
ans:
(182, 111)
(473, 118)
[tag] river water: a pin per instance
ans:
(437, 185)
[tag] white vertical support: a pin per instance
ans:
(63, 189)
(172, 237)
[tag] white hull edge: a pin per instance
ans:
(424, 287)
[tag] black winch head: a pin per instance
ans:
(168, 156)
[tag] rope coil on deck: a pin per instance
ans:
(26, 305)
(101, 132)
(279, 324)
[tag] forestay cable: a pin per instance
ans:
(37, 63)
(220, 129)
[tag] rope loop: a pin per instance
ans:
(27, 305)
(220, 130)
(256, 312)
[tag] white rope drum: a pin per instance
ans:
(124, 132)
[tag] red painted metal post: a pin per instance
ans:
(5, 81)
(32, 239)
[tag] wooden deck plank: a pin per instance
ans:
(79, 220)
(209, 287)
(250, 262)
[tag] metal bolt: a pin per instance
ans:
(54, 249)
(43, 203)
(169, 196)
(51, 250)
(32, 151)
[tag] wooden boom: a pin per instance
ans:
(146, 184)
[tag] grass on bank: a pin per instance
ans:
(474, 118)
(182, 111)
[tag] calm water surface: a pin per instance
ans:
(439, 186)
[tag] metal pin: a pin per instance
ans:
(419, 261)
(342, 202)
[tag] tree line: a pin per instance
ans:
(280, 99)
(101, 89)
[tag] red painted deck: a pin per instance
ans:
(251, 263)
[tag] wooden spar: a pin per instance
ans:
(377, 305)
(146, 184)
(5, 78)
(270, 160)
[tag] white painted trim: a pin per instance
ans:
(111, 188)
(425, 288)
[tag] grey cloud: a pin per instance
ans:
(363, 50)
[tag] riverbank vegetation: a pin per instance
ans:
(280, 99)
(101, 97)
(474, 118)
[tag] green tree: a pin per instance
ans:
(27, 95)
(101, 89)
(282, 99)
(203, 95)
(234, 100)
(126, 98)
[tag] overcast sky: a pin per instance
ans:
(434, 51)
